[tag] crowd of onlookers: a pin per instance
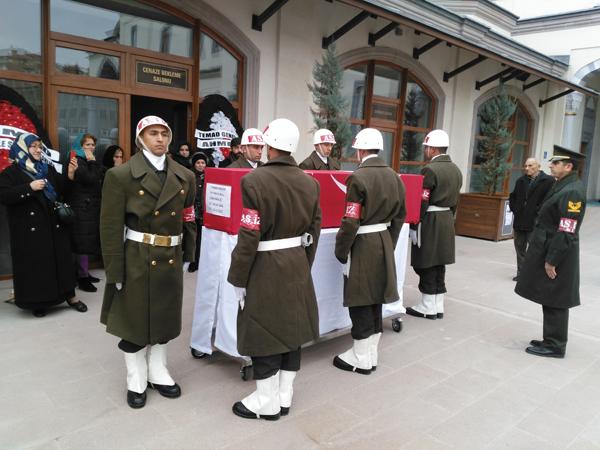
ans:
(54, 217)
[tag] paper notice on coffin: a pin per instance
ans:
(218, 199)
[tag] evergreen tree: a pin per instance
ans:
(495, 147)
(330, 106)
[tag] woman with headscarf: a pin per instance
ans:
(40, 244)
(113, 157)
(85, 198)
(199, 160)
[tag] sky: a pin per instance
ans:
(534, 8)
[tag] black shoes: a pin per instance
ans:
(197, 353)
(136, 400)
(413, 312)
(173, 391)
(440, 315)
(516, 278)
(548, 352)
(78, 306)
(240, 410)
(536, 343)
(284, 410)
(86, 285)
(39, 312)
(93, 279)
(341, 364)
(192, 267)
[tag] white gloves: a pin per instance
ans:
(119, 286)
(185, 266)
(240, 295)
(412, 234)
(346, 267)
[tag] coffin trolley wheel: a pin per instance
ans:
(397, 325)
(246, 372)
(197, 353)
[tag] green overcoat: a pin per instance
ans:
(555, 240)
(313, 162)
(442, 181)
(280, 312)
(381, 195)
(147, 310)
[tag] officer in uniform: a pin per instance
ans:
(252, 146)
(550, 272)
(433, 238)
(151, 199)
(320, 158)
(270, 270)
(365, 243)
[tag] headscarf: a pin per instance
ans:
(77, 146)
(19, 152)
(109, 153)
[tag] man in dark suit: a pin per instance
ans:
(525, 201)
(550, 272)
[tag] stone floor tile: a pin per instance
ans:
(517, 439)
(558, 431)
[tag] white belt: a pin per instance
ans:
(433, 208)
(279, 244)
(376, 227)
(153, 239)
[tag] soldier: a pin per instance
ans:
(320, 158)
(151, 197)
(433, 238)
(550, 272)
(270, 270)
(252, 146)
(365, 243)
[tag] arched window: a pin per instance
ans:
(391, 99)
(520, 126)
(221, 70)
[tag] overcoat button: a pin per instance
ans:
(22, 196)
(171, 261)
(141, 192)
(32, 213)
(32, 228)
(153, 263)
(182, 192)
(173, 213)
(57, 226)
(156, 213)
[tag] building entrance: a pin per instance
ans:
(175, 113)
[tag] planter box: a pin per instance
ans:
(484, 216)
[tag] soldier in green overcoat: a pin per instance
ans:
(374, 215)
(550, 274)
(149, 200)
(320, 158)
(270, 270)
(433, 238)
(252, 146)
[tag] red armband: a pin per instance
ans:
(250, 219)
(188, 214)
(425, 195)
(567, 225)
(353, 210)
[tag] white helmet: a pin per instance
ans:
(436, 138)
(368, 139)
(282, 134)
(323, 136)
(252, 136)
(145, 123)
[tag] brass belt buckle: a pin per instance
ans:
(162, 241)
(147, 239)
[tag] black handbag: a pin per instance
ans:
(64, 213)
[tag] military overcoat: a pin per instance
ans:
(313, 162)
(442, 181)
(555, 240)
(242, 163)
(147, 310)
(375, 194)
(280, 313)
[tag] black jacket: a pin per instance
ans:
(527, 197)
(40, 248)
(85, 198)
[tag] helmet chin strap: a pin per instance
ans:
(157, 161)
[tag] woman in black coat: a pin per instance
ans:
(199, 160)
(40, 244)
(85, 198)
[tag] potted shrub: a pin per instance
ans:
(486, 215)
